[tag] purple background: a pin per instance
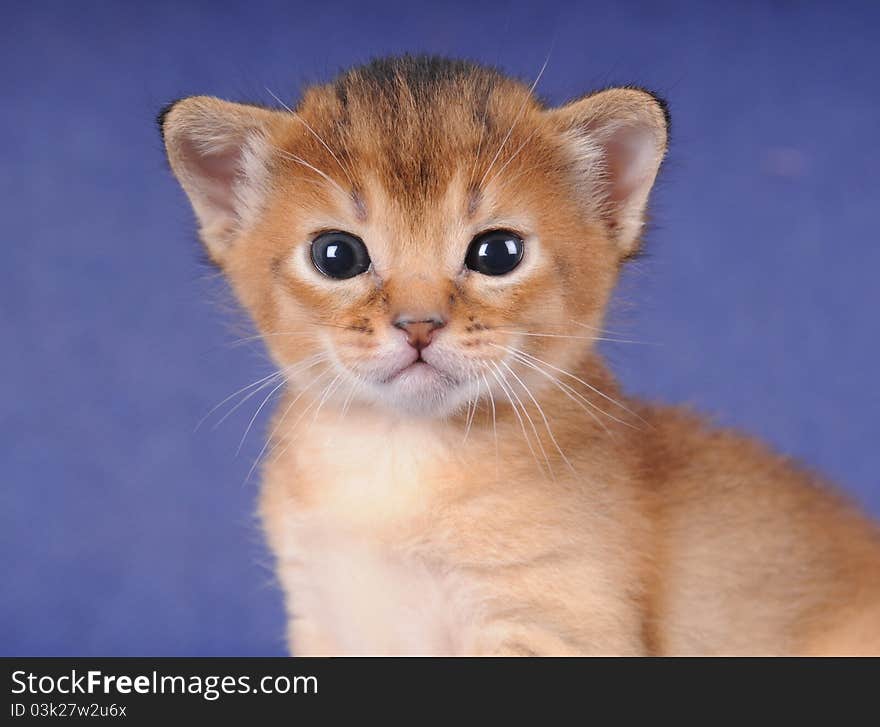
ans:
(123, 531)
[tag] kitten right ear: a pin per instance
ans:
(618, 138)
(219, 152)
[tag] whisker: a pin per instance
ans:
(513, 156)
(508, 181)
(543, 416)
(295, 368)
(281, 421)
(329, 390)
(261, 336)
(240, 404)
(516, 119)
(471, 413)
(355, 386)
(603, 331)
(571, 393)
(581, 338)
(324, 175)
(268, 379)
(256, 414)
(293, 427)
(480, 143)
(511, 394)
(315, 134)
(518, 416)
(579, 380)
(494, 423)
(305, 332)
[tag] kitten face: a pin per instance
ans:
(417, 230)
(418, 330)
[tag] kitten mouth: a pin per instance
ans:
(417, 367)
(418, 371)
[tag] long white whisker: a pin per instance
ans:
(263, 336)
(516, 119)
(603, 331)
(316, 135)
(494, 423)
(256, 414)
(579, 338)
(531, 421)
(570, 392)
(281, 421)
(480, 143)
(513, 156)
(509, 180)
(290, 370)
(324, 175)
(518, 416)
(329, 390)
(571, 375)
(267, 379)
(541, 412)
(471, 413)
(519, 356)
(355, 386)
(293, 427)
(242, 402)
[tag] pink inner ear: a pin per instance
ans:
(629, 159)
(215, 170)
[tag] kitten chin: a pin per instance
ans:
(422, 390)
(428, 252)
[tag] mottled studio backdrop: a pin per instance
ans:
(123, 531)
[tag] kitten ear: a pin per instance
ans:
(219, 152)
(618, 139)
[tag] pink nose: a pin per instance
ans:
(419, 333)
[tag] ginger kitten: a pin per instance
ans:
(428, 251)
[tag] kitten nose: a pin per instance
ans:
(419, 332)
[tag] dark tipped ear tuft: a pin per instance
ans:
(664, 107)
(617, 139)
(163, 113)
(659, 100)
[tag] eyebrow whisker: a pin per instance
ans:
(300, 160)
(516, 119)
(315, 134)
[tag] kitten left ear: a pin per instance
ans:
(219, 152)
(618, 139)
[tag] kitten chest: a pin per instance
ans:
(351, 552)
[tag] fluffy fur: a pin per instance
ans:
(503, 496)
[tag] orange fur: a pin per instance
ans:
(524, 505)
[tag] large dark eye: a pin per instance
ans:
(340, 255)
(494, 253)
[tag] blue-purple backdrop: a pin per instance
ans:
(124, 532)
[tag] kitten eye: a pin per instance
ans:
(340, 255)
(494, 253)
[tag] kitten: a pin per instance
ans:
(428, 252)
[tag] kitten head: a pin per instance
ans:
(420, 229)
